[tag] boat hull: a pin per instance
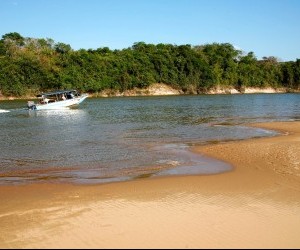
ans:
(60, 104)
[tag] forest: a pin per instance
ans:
(32, 65)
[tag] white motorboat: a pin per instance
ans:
(57, 100)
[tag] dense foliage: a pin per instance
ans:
(30, 65)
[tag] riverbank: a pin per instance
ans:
(254, 206)
(160, 89)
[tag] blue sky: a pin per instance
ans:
(266, 27)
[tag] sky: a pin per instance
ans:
(265, 27)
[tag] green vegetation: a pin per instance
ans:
(30, 65)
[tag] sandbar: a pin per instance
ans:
(256, 205)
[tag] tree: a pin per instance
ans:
(62, 48)
(14, 37)
(29, 65)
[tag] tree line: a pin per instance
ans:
(32, 65)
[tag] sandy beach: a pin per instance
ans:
(257, 205)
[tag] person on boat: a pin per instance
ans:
(63, 97)
(46, 100)
(70, 96)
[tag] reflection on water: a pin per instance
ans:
(3, 111)
(62, 113)
(114, 139)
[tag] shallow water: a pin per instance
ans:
(115, 139)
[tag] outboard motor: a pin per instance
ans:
(31, 105)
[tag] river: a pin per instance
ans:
(123, 138)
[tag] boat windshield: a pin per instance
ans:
(58, 96)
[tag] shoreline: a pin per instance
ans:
(160, 89)
(256, 205)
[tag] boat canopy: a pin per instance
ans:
(58, 92)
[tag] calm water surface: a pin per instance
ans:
(115, 139)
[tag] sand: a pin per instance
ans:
(257, 205)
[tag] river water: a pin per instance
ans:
(116, 139)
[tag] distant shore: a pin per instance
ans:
(254, 206)
(160, 89)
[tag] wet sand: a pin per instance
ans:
(257, 205)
